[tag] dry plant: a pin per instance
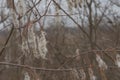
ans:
(33, 52)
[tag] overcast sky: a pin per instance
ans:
(64, 5)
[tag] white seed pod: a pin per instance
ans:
(42, 46)
(91, 74)
(70, 5)
(82, 74)
(35, 44)
(32, 39)
(77, 54)
(74, 4)
(26, 76)
(75, 73)
(101, 63)
(117, 62)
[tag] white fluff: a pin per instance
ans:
(21, 7)
(26, 76)
(42, 46)
(118, 60)
(101, 63)
(36, 44)
(82, 74)
(75, 72)
(91, 74)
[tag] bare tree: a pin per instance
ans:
(33, 52)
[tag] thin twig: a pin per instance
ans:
(10, 34)
(35, 68)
